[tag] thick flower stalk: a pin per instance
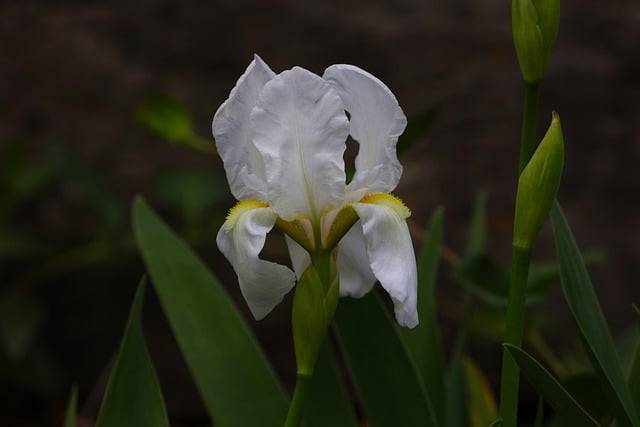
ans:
(282, 139)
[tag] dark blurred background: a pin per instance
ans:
(104, 100)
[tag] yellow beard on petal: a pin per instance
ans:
(388, 200)
(241, 207)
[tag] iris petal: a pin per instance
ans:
(376, 122)
(242, 162)
(300, 128)
(241, 239)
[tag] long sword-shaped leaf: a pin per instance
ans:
(235, 380)
(133, 397)
(634, 371)
(553, 393)
(71, 413)
(583, 303)
(385, 376)
(423, 341)
(327, 401)
(482, 406)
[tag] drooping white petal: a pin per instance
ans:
(300, 128)
(391, 256)
(241, 238)
(376, 122)
(242, 162)
(300, 258)
(356, 277)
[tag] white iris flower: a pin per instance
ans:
(282, 139)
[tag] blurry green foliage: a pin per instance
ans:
(133, 397)
(71, 414)
(169, 119)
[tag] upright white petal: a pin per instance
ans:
(230, 126)
(391, 256)
(300, 128)
(356, 277)
(300, 258)
(241, 238)
(376, 122)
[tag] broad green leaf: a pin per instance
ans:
(551, 390)
(586, 389)
(169, 119)
(418, 126)
(133, 396)
(71, 414)
(234, 378)
(456, 386)
(423, 341)
(477, 234)
(481, 403)
(327, 402)
(496, 423)
(584, 305)
(388, 382)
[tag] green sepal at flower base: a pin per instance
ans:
(538, 186)
(314, 305)
(535, 28)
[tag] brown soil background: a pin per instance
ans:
(74, 71)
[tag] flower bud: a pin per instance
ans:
(535, 28)
(313, 308)
(538, 186)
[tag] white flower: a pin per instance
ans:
(282, 139)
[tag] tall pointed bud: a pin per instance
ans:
(538, 186)
(535, 29)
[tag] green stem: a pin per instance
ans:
(294, 416)
(510, 377)
(528, 138)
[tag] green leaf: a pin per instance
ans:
(133, 396)
(586, 389)
(545, 274)
(477, 237)
(234, 378)
(634, 371)
(71, 413)
(423, 341)
(496, 423)
(456, 401)
(584, 305)
(169, 119)
(551, 390)
(481, 403)
(456, 385)
(327, 391)
(388, 383)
